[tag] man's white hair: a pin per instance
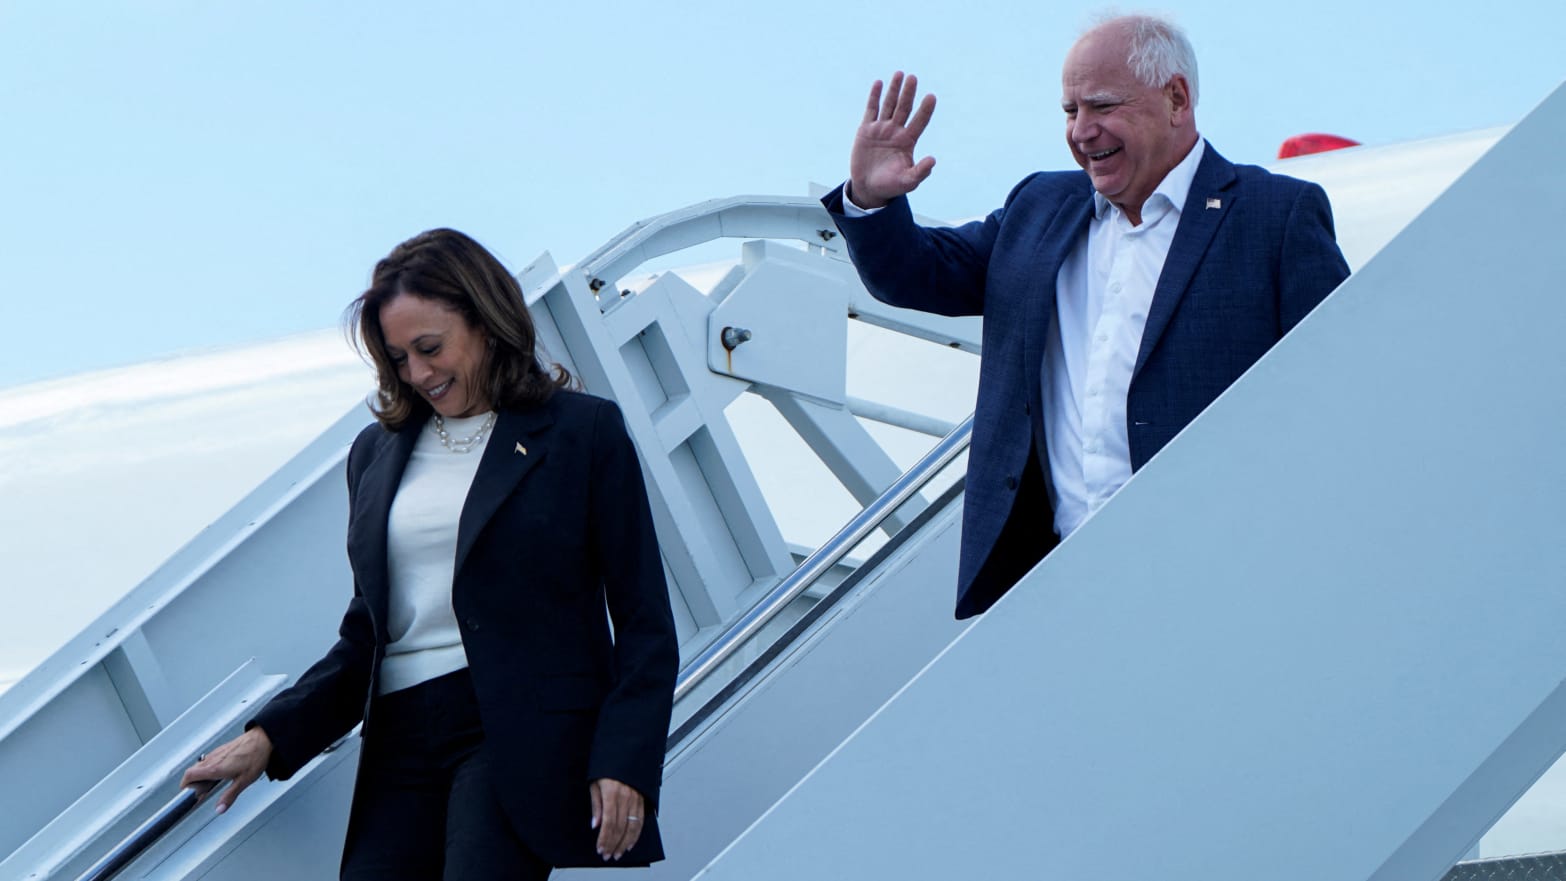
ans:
(1159, 49)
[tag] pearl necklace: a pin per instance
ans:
(463, 444)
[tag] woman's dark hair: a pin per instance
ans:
(444, 266)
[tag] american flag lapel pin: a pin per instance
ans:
(1214, 203)
(521, 449)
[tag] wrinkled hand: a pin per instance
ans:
(241, 760)
(618, 814)
(882, 165)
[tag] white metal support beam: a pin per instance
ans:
(718, 537)
(137, 675)
(853, 456)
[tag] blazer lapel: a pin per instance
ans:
(517, 445)
(1204, 210)
(373, 499)
(1067, 226)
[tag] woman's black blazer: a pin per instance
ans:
(555, 529)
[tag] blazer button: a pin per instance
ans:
(473, 624)
(1011, 483)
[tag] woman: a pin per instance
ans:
(494, 516)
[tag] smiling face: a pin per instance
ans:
(1127, 135)
(437, 353)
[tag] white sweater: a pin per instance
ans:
(421, 552)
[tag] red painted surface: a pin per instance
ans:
(1304, 145)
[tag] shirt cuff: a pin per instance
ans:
(852, 210)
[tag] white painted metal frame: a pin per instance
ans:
(660, 351)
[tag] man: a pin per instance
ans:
(1119, 301)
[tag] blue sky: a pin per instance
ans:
(178, 174)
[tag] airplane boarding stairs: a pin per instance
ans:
(97, 735)
(737, 745)
(1334, 654)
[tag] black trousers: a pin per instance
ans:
(425, 807)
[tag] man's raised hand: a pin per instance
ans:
(882, 165)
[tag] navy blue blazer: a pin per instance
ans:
(555, 528)
(1254, 252)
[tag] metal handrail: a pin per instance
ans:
(744, 217)
(150, 831)
(824, 558)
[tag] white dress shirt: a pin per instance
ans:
(1101, 300)
(1102, 295)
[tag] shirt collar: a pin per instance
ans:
(1175, 186)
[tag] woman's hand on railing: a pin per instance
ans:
(241, 760)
